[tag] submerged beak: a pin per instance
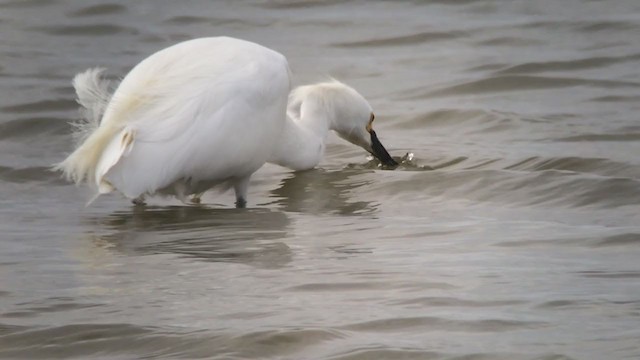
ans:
(379, 151)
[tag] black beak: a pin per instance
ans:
(380, 152)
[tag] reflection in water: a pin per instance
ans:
(222, 235)
(320, 191)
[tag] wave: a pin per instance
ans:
(26, 3)
(539, 188)
(568, 65)
(21, 128)
(627, 239)
(601, 137)
(101, 9)
(85, 30)
(510, 41)
(504, 83)
(412, 39)
(617, 98)
(30, 174)
(427, 323)
(468, 120)
(41, 106)
(380, 352)
(134, 341)
(297, 4)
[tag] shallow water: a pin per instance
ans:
(513, 233)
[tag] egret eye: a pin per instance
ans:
(369, 126)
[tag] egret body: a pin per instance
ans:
(207, 112)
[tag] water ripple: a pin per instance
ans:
(412, 39)
(101, 9)
(85, 30)
(508, 83)
(426, 323)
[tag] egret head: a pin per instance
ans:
(348, 113)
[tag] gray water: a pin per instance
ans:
(514, 233)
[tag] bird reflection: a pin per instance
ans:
(249, 236)
(320, 191)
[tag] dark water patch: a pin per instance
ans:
(601, 137)
(449, 163)
(319, 191)
(200, 233)
(297, 4)
(602, 26)
(9, 329)
(482, 164)
(48, 306)
(158, 39)
(629, 239)
(607, 193)
(17, 129)
(281, 342)
(597, 166)
(19, 314)
(85, 30)
(27, 3)
(518, 188)
(441, 324)
(101, 9)
(187, 20)
(542, 244)
(580, 26)
(467, 120)
(510, 41)
(552, 117)
(439, 301)
(448, 2)
(381, 353)
(487, 67)
(371, 353)
(260, 255)
(568, 65)
(30, 174)
(552, 357)
(69, 334)
(351, 286)
(560, 304)
(140, 342)
(445, 117)
(617, 98)
(610, 274)
(189, 218)
(506, 83)
(84, 340)
(412, 39)
(42, 106)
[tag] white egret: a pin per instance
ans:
(207, 112)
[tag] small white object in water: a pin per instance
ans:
(409, 157)
(208, 112)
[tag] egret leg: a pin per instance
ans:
(139, 201)
(241, 186)
(196, 199)
(180, 190)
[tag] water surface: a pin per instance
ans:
(514, 233)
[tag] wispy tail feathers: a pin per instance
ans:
(93, 94)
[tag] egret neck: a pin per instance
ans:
(302, 141)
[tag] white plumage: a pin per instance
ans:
(202, 113)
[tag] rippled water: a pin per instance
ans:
(514, 233)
